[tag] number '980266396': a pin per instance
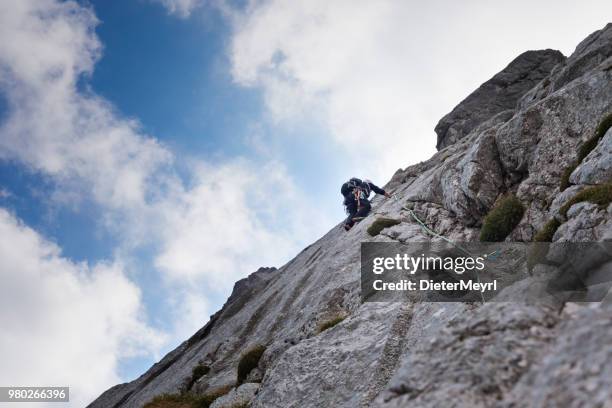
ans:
(48, 394)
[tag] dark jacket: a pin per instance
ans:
(366, 188)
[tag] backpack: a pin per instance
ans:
(350, 186)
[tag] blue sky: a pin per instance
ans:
(180, 67)
(174, 80)
(152, 152)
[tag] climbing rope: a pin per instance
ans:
(435, 234)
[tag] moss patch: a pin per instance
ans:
(248, 361)
(586, 148)
(187, 400)
(502, 219)
(548, 231)
(565, 183)
(600, 195)
(197, 372)
(328, 324)
(172, 401)
(209, 397)
(537, 255)
(380, 224)
(600, 132)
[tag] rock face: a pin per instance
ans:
(498, 94)
(517, 133)
(597, 166)
(238, 397)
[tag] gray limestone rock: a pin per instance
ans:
(586, 223)
(574, 370)
(498, 94)
(473, 359)
(592, 53)
(517, 133)
(596, 168)
(238, 397)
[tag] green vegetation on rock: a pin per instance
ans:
(328, 324)
(600, 195)
(173, 401)
(209, 397)
(380, 224)
(600, 132)
(248, 361)
(187, 400)
(537, 254)
(199, 371)
(565, 183)
(502, 219)
(548, 231)
(584, 150)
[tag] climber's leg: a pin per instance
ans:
(364, 209)
(351, 208)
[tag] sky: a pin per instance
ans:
(153, 152)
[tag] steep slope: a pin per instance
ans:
(432, 354)
(498, 94)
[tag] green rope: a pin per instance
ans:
(435, 234)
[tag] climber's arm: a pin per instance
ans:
(378, 190)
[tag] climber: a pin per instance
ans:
(356, 195)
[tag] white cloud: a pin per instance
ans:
(52, 127)
(181, 8)
(77, 138)
(190, 311)
(237, 216)
(64, 324)
(379, 74)
(228, 219)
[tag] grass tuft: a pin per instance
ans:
(584, 150)
(208, 398)
(502, 219)
(537, 255)
(197, 372)
(380, 224)
(200, 371)
(602, 129)
(172, 401)
(600, 195)
(248, 361)
(548, 231)
(241, 404)
(328, 324)
(565, 183)
(187, 400)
